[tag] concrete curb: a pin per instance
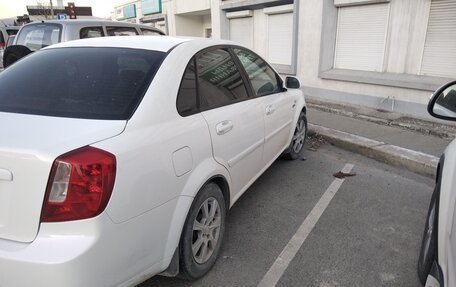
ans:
(414, 161)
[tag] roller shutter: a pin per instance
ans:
(280, 38)
(361, 36)
(241, 31)
(439, 58)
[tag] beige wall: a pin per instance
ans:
(187, 25)
(189, 6)
(188, 18)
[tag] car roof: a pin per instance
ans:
(156, 43)
(78, 22)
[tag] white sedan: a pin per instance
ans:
(120, 156)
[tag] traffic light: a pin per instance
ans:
(72, 10)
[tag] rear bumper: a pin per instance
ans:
(94, 252)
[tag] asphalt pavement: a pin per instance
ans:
(368, 235)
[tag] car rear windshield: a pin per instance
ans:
(80, 82)
(39, 36)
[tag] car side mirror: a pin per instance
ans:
(443, 102)
(292, 83)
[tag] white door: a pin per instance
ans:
(279, 107)
(235, 121)
(279, 111)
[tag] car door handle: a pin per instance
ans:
(5, 175)
(224, 127)
(270, 109)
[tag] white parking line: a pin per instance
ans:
(277, 269)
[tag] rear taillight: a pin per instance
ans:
(2, 45)
(80, 185)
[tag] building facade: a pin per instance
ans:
(386, 54)
(149, 12)
(175, 17)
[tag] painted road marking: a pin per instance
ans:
(277, 269)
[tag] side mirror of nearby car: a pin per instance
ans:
(443, 102)
(292, 83)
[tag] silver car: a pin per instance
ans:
(37, 35)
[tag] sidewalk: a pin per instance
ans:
(414, 144)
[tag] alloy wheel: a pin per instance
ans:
(299, 136)
(206, 230)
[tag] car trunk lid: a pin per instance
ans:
(28, 146)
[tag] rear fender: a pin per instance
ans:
(195, 182)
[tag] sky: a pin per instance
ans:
(100, 8)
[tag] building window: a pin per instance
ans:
(280, 38)
(241, 27)
(208, 33)
(361, 36)
(439, 57)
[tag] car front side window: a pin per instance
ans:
(264, 80)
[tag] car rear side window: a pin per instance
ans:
(187, 97)
(91, 32)
(80, 82)
(39, 36)
(219, 80)
(121, 31)
(264, 80)
(150, 32)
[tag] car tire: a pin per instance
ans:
(14, 53)
(296, 146)
(429, 241)
(203, 232)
